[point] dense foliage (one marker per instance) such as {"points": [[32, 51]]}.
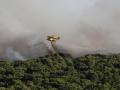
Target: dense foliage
{"points": [[62, 72]]}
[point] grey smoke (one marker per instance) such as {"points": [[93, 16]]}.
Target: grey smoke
{"points": [[13, 55], [85, 26]]}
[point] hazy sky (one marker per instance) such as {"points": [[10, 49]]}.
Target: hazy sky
{"points": [[84, 25]]}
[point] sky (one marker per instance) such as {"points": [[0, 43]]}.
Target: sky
{"points": [[85, 26]]}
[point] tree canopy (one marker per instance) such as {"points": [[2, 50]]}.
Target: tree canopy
{"points": [[62, 72]]}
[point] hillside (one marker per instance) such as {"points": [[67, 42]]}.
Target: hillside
{"points": [[62, 72]]}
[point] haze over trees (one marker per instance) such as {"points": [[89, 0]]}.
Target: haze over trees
{"points": [[62, 72]]}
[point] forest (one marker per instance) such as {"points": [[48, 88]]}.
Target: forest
{"points": [[62, 72]]}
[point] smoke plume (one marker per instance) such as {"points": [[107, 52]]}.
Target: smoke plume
{"points": [[85, 26]]}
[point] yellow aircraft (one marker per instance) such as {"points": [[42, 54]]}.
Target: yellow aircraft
{"points": [[53, 38]]}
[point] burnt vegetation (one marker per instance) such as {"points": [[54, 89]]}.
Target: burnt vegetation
{"points": [[62, 72]]}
